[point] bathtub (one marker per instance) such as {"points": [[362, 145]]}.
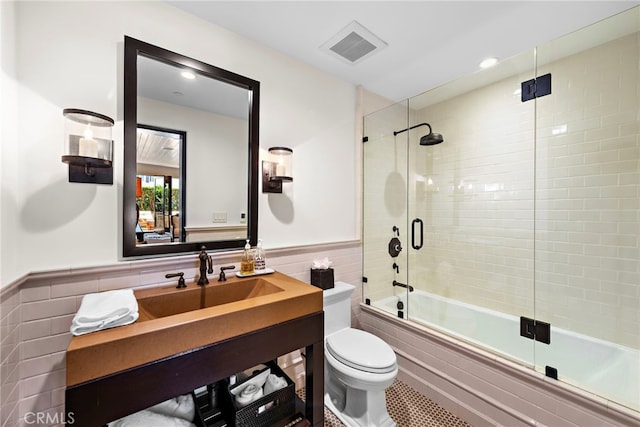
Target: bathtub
{"points": [[603, 368]]}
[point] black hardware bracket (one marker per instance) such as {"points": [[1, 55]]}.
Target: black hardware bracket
{"points": [[367, 301], [535, 330], [551, 372], [535, 88]]}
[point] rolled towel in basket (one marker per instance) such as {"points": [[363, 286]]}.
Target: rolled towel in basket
{"points": [[248, 394], [105, 310], [274, 383]]}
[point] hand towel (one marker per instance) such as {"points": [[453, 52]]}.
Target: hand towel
{"points": [[248, 394], [180, 407], [105, 310], [147, 418], [274, 383]]}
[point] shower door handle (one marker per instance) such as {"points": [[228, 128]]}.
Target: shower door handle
{"points": [[413, 233]]}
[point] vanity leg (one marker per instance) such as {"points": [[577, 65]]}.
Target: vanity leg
{"points": [[314, 371]]}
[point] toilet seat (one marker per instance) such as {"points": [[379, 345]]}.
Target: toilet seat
{"points": [[362, 351]]}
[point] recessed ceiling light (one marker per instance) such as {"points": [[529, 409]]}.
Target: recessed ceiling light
{"points": [[188, 75], [489, 62]]}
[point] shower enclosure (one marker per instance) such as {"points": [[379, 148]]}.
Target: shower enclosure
{"points": [[517, 228]]}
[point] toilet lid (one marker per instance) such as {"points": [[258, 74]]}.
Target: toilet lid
{"points": [[361, 350]]}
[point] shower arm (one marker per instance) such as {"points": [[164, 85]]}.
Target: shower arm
{"points": [[396, 132]]}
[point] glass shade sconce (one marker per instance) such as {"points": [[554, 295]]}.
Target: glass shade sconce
{"points": [[277, 169], [88, 146]]}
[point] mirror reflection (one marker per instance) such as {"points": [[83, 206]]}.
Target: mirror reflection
{"points": [[159, 199], [190, 154]]}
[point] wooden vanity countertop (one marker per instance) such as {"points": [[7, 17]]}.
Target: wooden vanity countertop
{"points": [[98, 354]]}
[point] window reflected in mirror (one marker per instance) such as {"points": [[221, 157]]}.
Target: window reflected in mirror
{"points": [[159, 195]]}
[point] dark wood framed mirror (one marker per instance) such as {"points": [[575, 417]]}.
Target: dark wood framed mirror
{"points": [[217, 112]]}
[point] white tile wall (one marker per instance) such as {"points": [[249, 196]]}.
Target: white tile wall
{"points": [[36, 315]]}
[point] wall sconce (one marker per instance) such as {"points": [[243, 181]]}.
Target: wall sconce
{"points": [[88, 146], [277, 170], [138, 186]]}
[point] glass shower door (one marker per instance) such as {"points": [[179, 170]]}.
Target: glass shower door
{"points": [[385, 231], [587, 257], [471, 198]]}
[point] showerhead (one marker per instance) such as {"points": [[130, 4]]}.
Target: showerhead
{"points": [[429, 139]]}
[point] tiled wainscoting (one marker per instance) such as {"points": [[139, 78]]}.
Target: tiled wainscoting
{"points": [[36, 314], [486, 390]]}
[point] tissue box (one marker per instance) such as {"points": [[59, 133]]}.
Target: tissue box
{"points": [[322, 278]]}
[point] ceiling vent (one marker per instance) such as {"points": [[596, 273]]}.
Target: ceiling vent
{"points": [[354, 43]]}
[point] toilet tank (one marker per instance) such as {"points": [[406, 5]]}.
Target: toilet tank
{"points": [[337, 307]]}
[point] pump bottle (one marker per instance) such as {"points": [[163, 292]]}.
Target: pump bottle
{"points": [[260, 260], [247, 261]]}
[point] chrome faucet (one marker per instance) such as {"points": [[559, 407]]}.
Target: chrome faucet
{"points": [[206, 266]]}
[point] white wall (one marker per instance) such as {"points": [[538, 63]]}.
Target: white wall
{"points": [[9, 178], [70, 55]]}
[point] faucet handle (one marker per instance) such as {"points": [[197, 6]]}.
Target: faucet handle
{"points": [[223, 276], [181, 283]]}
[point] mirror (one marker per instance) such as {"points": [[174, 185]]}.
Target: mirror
{"points": [[190, 154]]}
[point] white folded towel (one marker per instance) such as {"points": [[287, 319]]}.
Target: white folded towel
{"points": [[248, 394], [105, 310], [258, 380], [274, 383], [180, 407], [147, 418]]}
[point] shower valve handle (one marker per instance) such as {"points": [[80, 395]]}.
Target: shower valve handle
{"points": [[394, 247]]}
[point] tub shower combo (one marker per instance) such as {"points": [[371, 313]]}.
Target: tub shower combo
{"points": [[517, 230]]}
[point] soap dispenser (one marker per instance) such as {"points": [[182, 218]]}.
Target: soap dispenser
{"points": [[260, 260], [247, 261]]}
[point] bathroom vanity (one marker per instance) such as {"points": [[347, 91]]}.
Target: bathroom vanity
{"points": [[119, 371]]}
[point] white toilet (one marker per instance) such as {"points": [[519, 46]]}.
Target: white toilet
{"points": [[358, 366]]}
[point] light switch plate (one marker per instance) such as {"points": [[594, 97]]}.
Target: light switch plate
{"points": [[219, 217]]}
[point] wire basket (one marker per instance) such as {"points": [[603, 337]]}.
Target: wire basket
{"points": [[265, 411]]}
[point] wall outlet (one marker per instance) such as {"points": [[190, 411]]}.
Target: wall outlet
{"points": [[219, 217]]}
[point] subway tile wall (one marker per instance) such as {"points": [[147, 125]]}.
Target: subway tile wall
{"points": [[486, 390], [567, 163], [36, 316], [588, 193], [10, 330]]}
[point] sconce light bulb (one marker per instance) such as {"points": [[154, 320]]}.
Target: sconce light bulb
{"points": [[88, 133]]}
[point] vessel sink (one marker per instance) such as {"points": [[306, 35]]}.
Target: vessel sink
{"points": [[172, 321], [162, 302]]}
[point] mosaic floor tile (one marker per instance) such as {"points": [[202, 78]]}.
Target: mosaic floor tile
{"points": [[407, 408]]}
